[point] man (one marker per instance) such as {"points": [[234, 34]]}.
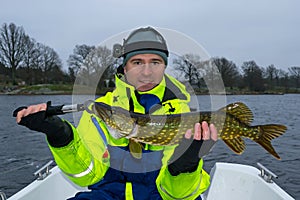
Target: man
{"points": [[90, 156]]}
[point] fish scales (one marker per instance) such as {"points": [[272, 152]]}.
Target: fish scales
{"points": [[233, 123]]}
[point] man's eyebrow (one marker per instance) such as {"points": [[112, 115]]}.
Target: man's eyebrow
{"points": [[157, 59], [135, 59], [139, 59]]}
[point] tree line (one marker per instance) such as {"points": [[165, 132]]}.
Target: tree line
{"points": [[24, 60], [248, 77]]}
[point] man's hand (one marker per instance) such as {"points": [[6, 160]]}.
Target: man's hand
{"points": [[34, 117], [193, 147], [205, 132], [30, 110]]}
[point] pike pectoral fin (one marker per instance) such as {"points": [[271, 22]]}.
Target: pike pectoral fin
{"points": [[236, 144], [135, 149]]}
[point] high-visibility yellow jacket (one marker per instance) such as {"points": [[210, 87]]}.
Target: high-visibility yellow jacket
{"points": [[84, 159]]}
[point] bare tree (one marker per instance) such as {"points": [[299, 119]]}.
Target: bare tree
{"points": [[202, 73], [272, 76], [284, 79], [295, 74], [212, 77], [228, 70], [12, 47], [253, 76], [99, 65], [48, 62], [188, 65], [29, 60], [77, 60]]}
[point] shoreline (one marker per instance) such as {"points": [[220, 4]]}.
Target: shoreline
{"points": [[32, 93], [65, 89]]}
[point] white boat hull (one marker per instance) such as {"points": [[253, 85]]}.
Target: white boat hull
{"points": [[54, 186], [236, 182], [228, 181]]}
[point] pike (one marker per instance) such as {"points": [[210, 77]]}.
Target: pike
{"points": [[233, 123]]}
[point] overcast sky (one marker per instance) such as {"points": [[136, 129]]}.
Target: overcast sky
{"points": [[266, 31]]}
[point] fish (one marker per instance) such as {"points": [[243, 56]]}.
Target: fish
{"points": [[233, 123]]}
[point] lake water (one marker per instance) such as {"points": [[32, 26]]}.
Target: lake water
{"points": [[23, 151]]}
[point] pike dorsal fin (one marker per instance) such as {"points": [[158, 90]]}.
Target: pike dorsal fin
{"points": [[240, 111]]}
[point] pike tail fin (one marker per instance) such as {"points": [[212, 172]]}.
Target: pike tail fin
{"points": [[267, 133]]}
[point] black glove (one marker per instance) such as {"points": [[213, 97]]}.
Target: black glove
{"points": [[58, 133], [193, 150]]}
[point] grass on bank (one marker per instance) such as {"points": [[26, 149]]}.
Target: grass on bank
{"points": [[41, 89], [83, 89]]}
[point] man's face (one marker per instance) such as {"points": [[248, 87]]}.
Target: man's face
{"points": [[144, 71]]}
